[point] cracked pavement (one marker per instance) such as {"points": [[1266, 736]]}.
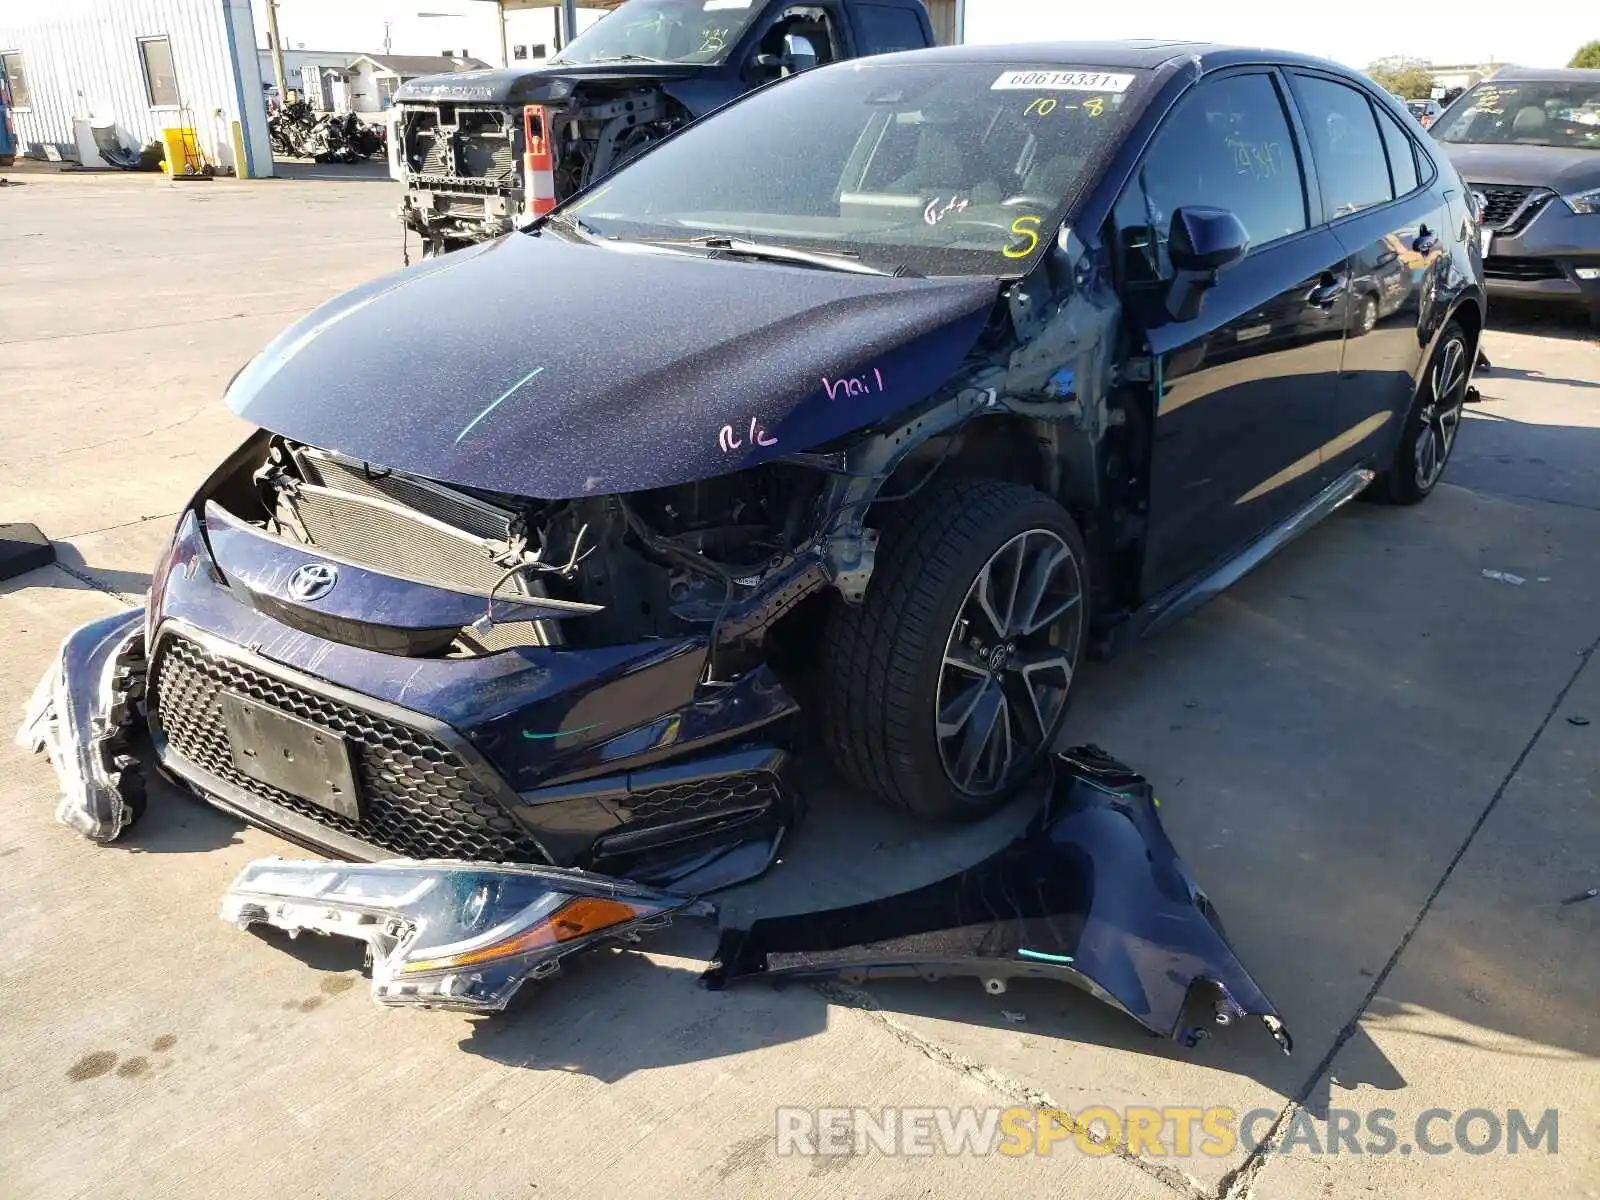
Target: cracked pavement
{"points": [[1363, 752]]}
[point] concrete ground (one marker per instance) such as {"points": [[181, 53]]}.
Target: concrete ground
{"points": [[1374, 758]]}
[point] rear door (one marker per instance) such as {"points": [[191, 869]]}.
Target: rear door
{"points": [[1245, 391], [1394, 228]]}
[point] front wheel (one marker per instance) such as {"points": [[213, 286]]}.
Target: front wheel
{"points": [[945, 686], [1431, 425]]}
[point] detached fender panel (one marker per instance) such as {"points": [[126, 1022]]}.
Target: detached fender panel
{"points": [[1093, 893]]}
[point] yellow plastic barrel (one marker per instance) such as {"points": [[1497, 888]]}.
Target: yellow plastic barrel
{"points": [[183, 152]]}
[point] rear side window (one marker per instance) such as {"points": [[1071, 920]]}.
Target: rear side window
{"points": [[885, 30], [1402, 155], [1226, 145], [1345, 145]]}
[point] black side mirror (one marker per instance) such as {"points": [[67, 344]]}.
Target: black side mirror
{"points": [[1203, 241]]}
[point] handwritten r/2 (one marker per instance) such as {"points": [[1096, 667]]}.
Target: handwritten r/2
{"points": [[729, 441]]}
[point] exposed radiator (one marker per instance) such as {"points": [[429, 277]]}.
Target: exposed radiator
{"points": [[402, 525]]}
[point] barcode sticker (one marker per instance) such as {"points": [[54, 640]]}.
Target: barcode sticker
{"points": [[1061, 81]]}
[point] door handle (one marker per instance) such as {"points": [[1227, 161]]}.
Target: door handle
{"points": [[1329, 288], [1425, 242]]}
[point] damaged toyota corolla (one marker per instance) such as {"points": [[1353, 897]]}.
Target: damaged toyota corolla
{"points": [[873, 401]]}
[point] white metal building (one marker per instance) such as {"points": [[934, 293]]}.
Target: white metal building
{"points": [[144, 65]]}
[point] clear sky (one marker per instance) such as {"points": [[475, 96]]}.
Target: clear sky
{"points": [[1352, 31], [1355, 32]]}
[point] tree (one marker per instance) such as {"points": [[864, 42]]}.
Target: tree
{"points": [[1588, 55], [1407, 77]]}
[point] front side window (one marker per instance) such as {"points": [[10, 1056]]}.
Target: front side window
{"points": [[685, 31], [885, 30], [1226, 145], [1526, 113], [16, 79], [160, 79], [1345, 145], [944, 168]]}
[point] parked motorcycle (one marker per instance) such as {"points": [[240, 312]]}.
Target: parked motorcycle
{"points": [[298, 131]]}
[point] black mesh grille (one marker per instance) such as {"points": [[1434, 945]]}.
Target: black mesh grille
{"points": [[701, 797], [1525, 269], [420, 800]]}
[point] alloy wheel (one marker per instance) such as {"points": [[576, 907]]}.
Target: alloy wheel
{"points": [[1441, 415], [1009, 661], [1369, 314]]}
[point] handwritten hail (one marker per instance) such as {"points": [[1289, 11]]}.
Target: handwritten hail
{"points": [[854, 385]]}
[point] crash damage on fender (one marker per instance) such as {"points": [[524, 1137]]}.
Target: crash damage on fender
{"points": [[1092, 894]]}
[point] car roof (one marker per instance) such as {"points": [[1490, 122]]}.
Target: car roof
{"points": [[1546, 74], [1139, 53]]}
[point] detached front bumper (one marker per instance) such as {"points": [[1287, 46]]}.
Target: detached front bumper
{"points": [[84, 715]]}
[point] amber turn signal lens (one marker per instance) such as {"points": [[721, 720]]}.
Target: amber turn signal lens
{"points": [[579, 917]]}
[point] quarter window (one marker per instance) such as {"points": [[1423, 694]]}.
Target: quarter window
{"points": [[16, 79], [1227, 145], [1345, 145], [160, 79], [1402, 154], [885, 30]]}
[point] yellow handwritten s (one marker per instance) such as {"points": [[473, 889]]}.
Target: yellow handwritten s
{"points": [[1024, 227]]}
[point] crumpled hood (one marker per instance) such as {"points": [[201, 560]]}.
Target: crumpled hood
{"points": [[552, 369], [1559, 168]]}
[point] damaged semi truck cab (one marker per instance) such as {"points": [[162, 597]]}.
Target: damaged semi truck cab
{"points": [[645, 69]]}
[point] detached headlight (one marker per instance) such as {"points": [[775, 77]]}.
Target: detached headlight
{"points": [[449, 934], [82, 714], [1583, 202]]}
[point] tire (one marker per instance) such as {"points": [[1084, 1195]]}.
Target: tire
{"points": [[1433, 418], [888, 664], [1367, 319]]}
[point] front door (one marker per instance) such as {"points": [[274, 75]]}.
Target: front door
{"points": [[1245, 392]]}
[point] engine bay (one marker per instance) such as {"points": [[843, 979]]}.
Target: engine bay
{"points": [[663, 563]]}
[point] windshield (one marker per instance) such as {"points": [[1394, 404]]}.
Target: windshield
{"points": [[681, 31], [940, 168], [1525, 113]]}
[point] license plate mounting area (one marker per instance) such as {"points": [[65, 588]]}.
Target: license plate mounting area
{"points": [[291, 754]]}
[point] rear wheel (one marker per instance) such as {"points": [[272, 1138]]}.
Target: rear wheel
{"points": [[1430, 430], [943, 688]]}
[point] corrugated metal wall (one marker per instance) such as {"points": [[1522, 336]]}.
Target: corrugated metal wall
{"points": [[82, 58]]}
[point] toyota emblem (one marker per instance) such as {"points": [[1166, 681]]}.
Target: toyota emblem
{"points": [[313, 581]]}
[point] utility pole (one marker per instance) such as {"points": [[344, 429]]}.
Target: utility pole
{"points": [[500, 17], [277, 51]]}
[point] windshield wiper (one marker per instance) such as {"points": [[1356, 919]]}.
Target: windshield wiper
{"points": [[644, 58], [843, 261], [568, 223]]}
